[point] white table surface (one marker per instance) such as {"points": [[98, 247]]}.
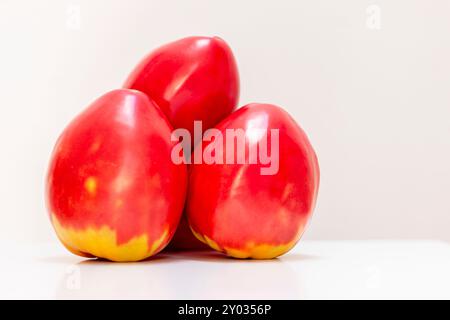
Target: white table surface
{"points": [[312, 270]]}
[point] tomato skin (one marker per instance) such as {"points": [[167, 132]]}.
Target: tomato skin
{"points": [[235, 209], [194, 78], [112, 189]]}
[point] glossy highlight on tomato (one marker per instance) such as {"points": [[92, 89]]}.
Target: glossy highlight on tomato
{"points": [[112, 190], [235, 209]]}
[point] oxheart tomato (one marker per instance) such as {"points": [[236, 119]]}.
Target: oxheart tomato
{"points": [[112, 190], [195, 78], [192, 79], [247, 206]]}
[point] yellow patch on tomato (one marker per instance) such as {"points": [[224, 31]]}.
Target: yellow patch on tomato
{"points": [[212, 244], [156, 246], [251, 250], [90, 184], [198, 235], [102, 243], [260, 251], [206, 240]]}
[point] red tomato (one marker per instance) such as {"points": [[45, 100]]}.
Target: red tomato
{"points": [[112, 190], [195, 78], [236, 209]]}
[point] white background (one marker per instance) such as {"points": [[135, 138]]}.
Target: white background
{"points": [[375, 103]]}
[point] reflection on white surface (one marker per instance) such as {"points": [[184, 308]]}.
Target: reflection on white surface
{"points": [[313, 270], [179, 275]]}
